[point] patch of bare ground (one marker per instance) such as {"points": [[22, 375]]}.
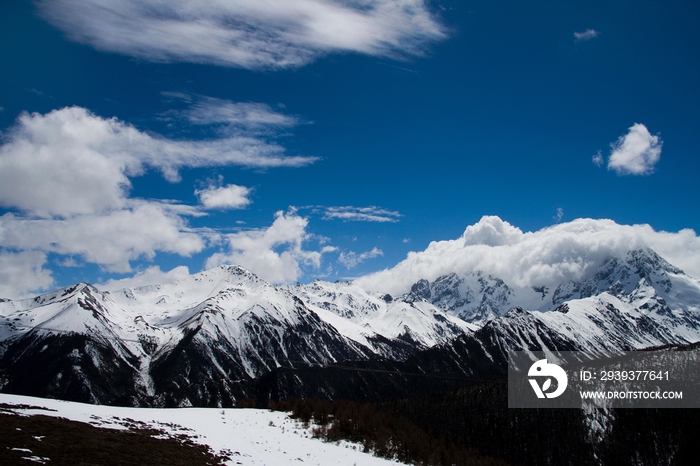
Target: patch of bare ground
{"points": [[40, 439]]}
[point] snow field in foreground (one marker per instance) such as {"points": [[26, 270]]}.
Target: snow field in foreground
{"points": [[247, 436]]}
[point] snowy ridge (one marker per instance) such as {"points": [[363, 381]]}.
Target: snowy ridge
{"points": [[408, 318], [187, 342], [634, 302]]}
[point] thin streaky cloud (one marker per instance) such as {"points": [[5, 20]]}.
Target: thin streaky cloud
{"points": [[586, 35], [559, 215], [251, 34], [361, 214], [248, 117]]}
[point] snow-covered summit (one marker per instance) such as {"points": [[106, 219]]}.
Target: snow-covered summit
{"points": [[533, 264], [639, 276]]}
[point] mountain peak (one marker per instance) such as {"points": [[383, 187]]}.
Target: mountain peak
{"points": [[640, 275], [646, 261], [473, 296], [236, 270]]}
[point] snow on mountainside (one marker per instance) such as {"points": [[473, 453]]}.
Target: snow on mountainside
{"points": [[190, 341], [406, 318], [473, 297], [641, 278], [637, 302], [631, 302]]}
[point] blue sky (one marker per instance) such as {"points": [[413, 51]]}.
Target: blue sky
{"points": [[327, 139]]}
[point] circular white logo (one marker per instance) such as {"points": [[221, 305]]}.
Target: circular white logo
{"points": [[543, 369]]}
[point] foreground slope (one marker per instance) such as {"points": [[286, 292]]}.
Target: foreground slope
{"points": [[240, 436]]}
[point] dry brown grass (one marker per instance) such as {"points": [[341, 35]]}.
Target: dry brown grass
{"points": [[66, 442]]}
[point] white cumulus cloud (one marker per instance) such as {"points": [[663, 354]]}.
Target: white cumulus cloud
{"points": [[71, 161], [635, 153], [22, 273], [254, 34], [68, 162], [275, 254], [566, 251], [491, 231], [110, 240], [230, 196], [66, 178]]}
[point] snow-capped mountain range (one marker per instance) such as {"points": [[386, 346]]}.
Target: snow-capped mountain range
{"points": [[190, 342], [639, 276]]}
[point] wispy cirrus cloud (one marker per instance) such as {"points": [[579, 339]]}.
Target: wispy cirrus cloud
{"points": [[251, 34], [559, 215], [352, 259], [586, 35], [361, 214], [248, 117], [597, 159]]}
